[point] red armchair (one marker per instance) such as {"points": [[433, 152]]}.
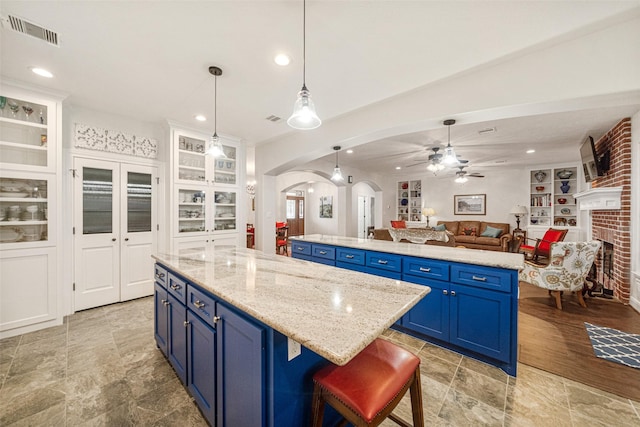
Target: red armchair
{"points": [[543, 246]]}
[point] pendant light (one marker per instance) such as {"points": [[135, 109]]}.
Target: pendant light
{"points": [[304, 111], [215, 145], [337, 173], [449, 154]]}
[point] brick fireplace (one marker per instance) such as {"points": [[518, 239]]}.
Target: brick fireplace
{"points": [[613, 226]]}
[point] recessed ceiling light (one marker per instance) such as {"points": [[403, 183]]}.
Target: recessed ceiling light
{"points": [[398, 168], [349, 151], [200, 118], [282, 59], [531, 151], [42, 72]]}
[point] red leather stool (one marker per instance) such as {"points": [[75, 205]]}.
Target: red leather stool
{"points": [[367, 389]]}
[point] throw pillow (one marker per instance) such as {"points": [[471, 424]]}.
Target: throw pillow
{"points": [[440, 227], [491, 232], [471, 231]]}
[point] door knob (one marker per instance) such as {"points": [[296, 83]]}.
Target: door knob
{"points": [[113, 239], [126, 239]]}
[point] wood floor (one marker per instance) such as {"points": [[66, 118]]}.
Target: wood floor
{"points": [[556, 340]]}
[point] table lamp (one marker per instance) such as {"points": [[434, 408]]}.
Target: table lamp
{"points": [[427, 212], [518, 211]]}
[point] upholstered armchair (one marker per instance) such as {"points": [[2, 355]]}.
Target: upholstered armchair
{"points": [[569, 264]]}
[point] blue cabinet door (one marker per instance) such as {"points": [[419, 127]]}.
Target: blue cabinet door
{"points": [[241, 370], [481, 321], [430, 316], [177, 337], [202, 343], [160, 322]]}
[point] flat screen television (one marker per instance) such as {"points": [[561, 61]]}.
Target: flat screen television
{"points": [[591, 163]]}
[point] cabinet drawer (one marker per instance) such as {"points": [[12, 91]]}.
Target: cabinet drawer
{"points": [[301, 248], [201, 304], [177, 287], [426, 268], [483, 277], [383, 261], [160, 274], [323, 251], [351, 256]]}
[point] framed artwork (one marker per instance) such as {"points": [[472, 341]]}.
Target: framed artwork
{"points": [[470, 204], [326, 207]]}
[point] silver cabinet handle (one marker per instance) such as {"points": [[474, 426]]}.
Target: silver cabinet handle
{"points": [[426, 270], [299, 248], [453, 293], [216, 319], [175, 287], [166, 303], [382, 261], [323, 252], [163, 301], [348, 256], [199, 304], [444, 291], [186, 323], [479, 279], [160, 275]]}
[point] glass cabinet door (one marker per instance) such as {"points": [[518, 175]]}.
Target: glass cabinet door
{"points": [[23, 210], [139, 207], [23, 133], [225, 210], [191, 211], [191, 160], [225, 168]]}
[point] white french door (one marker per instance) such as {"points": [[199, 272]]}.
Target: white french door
{"points": [[114, 232]]}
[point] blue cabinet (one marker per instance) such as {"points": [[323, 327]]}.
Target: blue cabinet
{"points": [[383, 264], [177, 337], [322, 254], [241, 370], [471, 309], [201, 345], [217, 353], [160, 319], [351, 259]]}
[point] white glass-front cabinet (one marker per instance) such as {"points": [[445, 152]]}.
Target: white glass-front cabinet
{"points": [[205, 192], [29, 188]]}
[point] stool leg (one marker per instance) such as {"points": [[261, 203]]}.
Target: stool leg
{"points": [[416, 400], [317, 407]]}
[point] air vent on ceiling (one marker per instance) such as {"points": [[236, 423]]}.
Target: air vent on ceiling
{"points": [[273, 118], [29, 28], [487, 130]]}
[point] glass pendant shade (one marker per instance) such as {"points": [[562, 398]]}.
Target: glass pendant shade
{"points": [[449, 156], [304, 112], [435, 167], [461, 179], [215, 147], [337, 174]]}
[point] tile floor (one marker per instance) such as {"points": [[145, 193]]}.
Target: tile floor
{"points": [[102, 368]]}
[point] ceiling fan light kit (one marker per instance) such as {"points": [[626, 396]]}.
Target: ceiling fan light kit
{"points": [[449, 153]]}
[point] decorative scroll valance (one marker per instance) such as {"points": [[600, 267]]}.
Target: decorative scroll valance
{"points": [[113, 141]]}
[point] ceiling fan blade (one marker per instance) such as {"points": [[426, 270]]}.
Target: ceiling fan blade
{"points": [[418, 164], [475, 175]]}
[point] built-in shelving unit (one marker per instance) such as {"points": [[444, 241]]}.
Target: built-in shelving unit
{"points": [[551, 200], [409, 204]]}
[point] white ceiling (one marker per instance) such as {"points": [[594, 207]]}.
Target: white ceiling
{"points": [[149, 59]]}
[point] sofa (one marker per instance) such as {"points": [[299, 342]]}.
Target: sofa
{"points": [[384, 234], [470, 234]]}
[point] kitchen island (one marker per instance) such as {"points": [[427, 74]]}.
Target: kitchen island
{"points": [[473, 304], [230, 322]]}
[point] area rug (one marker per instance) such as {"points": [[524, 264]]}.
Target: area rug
{"points": [[614, 345]]}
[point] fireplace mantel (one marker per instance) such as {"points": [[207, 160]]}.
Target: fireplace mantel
{"points": [[607, 198]]}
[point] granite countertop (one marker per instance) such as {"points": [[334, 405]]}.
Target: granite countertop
{"points": [[331, 311], [506, 260]]}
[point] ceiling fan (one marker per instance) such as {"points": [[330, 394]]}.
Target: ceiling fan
{"points": [[461, 175]]}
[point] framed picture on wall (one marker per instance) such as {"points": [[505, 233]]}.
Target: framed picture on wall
{"points": [[326, 207], [470, 204]]}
